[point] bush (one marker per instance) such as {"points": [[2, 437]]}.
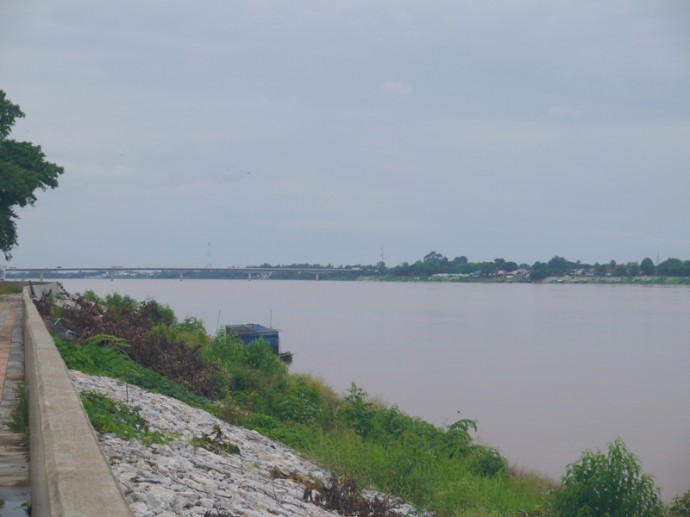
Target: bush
{"points": [[487, 461], [607, 485], [680, 506]]}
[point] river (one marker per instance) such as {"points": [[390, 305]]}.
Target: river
{"points": [[547, 371]]}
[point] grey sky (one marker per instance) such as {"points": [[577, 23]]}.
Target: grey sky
{"points": [[312, 131]]}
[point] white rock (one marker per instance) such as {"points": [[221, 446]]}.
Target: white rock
{"points": [[178, 479]]}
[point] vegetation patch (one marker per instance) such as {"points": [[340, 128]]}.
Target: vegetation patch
{"points": [[680, 506], [110, 417], [340, 494], [19, 418], [363, 442], [608, 484], [10, 287], [99, 358], [215, 442]]}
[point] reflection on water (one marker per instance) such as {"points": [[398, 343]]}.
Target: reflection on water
{"points": [[546, 370]]}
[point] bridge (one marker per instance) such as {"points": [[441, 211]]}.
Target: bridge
{"points": [[113, 271]]}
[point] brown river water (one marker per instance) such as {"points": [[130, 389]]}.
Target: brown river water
{"points": [[547, 371]]}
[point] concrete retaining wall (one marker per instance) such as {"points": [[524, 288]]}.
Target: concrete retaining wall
{"points": [[69, 474]]}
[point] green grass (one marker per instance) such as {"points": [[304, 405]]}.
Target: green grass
{"points": [[378, 446], [108, 416], [109, 362], [19, 418], [7, 287], [443, 470]]}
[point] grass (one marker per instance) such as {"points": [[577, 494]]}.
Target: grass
{"points": [[7, 287], [19, 418], [378, 446], [95, 359], [108, 416]]}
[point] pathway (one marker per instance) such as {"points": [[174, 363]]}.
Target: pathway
{"points": [[14, 465]]}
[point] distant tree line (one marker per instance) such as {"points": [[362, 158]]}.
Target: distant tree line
{"points": [[433, 265]]}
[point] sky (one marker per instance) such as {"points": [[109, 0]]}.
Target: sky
{"points": [[238, 133]]}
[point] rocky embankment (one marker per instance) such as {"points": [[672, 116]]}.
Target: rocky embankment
{"points": [[177, 478]]}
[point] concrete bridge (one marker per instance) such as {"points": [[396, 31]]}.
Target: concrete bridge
{"points": [[67, 474], [111, 272]]}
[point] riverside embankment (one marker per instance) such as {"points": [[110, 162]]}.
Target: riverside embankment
{"points": [[74, 472], [178, 478], [69, 474]]}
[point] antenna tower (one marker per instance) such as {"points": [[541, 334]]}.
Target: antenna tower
{"points": [[209, 261]]}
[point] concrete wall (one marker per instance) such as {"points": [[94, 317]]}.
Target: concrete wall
{"points": [[69, 474]]}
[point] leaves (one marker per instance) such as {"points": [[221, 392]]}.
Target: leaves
{"points": [[23, 169], [8, 114], [612, 485]]}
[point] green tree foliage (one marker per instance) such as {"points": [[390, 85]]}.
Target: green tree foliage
{"points": [[23, 169], [680, 506], [647, 266], [674, 267], [610, 485]]}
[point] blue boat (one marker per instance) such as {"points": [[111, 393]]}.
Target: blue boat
{"points": [[250, 332]]}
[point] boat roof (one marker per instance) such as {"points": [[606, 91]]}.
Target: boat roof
{"points": [[250, 328]]}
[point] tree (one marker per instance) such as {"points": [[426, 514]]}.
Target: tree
{"points": [[434, 258], [23, 169], [647, 266], [539, 271], [613, 485]]}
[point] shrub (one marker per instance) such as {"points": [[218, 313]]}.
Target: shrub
{"points": [[91, 296], [608, 485], [680, 506], [301, 402], [487, 461], [358, 413]]}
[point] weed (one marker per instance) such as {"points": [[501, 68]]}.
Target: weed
{"points": [[215, 442], [10, 287], [19, 418], [341, 494], [96, 360], [108, 416]]}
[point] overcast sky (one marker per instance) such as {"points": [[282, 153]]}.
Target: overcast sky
{"points": [[322, 131]]}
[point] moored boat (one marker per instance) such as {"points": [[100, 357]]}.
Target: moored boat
{"points": [[250, 332]]}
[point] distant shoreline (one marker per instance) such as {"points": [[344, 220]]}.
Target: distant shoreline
{"points": [[566, 279]]}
